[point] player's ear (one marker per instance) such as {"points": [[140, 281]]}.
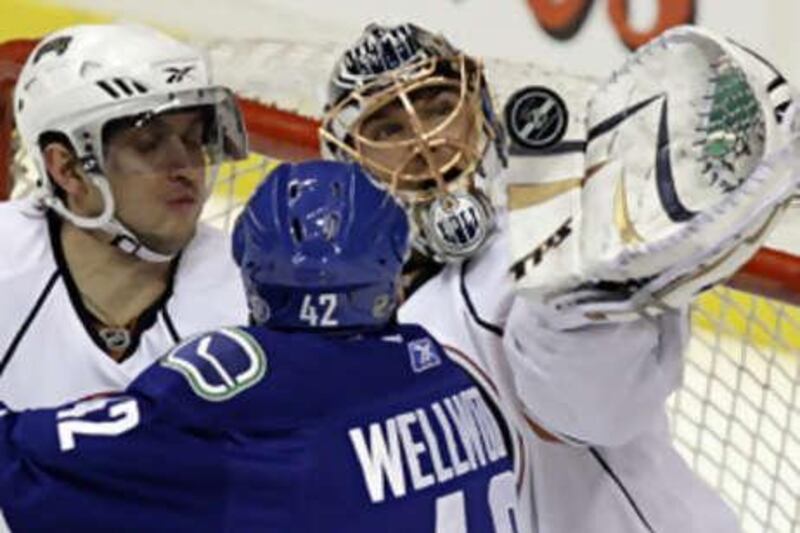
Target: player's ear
{"points": [[63, 170]]}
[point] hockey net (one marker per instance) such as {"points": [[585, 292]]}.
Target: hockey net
{"points": [[736, 419]]}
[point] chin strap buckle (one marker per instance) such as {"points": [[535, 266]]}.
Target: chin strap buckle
{"points": [[131, 246]]}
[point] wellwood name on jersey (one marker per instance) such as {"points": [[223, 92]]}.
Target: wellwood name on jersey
{"points": [[393, 454]]}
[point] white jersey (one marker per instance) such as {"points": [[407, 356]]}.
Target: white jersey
{"points": [[601, 389], [49, 351]]}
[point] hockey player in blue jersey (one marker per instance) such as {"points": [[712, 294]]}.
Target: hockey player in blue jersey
{"points": [[324, 415]]}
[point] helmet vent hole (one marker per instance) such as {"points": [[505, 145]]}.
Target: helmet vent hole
{"points": [[294, 191], [337, 189], [87, 67], [297, 230]]}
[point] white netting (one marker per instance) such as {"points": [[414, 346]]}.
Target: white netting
{"points": [[737, 418]]}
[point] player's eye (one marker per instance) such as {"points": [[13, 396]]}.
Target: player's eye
{"points": [[146, 142], [442, 105], [193, 137], [386, 130], [434, 108]]}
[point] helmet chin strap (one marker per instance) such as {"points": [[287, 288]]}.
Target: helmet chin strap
{"points": [[122, 238]]}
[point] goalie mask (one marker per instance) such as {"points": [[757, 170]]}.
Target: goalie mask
{"points": [[416, 112], [126, 101]]}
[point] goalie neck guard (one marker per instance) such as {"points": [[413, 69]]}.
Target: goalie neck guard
{"points": [[416, 113], [320, 246]]}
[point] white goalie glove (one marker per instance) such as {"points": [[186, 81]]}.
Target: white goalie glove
{"points": [[691, 155]]}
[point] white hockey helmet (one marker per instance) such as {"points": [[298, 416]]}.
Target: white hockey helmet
{"points": [[82, 81]]}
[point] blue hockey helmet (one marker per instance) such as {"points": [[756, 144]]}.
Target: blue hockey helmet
{"points": [[321, 245]]}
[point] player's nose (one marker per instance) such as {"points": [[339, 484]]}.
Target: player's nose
{"points": [[178, 156]]}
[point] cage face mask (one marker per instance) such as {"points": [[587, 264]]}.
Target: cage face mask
{"points": [[423, 130]]}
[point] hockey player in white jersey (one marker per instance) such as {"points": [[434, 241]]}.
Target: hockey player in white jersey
{"points": [[581, 333], [106, 267]]}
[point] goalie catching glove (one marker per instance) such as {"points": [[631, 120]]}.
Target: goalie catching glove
{"points": [[691, 151]]}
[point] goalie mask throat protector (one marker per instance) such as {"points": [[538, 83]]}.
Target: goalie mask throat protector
{"points": [[426, 128]]}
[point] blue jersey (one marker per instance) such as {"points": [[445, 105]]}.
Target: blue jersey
{"points": [[248, 429]]}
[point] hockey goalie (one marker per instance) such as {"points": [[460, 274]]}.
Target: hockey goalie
{"points": [[568, 293]]}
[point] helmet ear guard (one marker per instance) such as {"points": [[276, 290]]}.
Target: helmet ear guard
{"points": [[440, 171]]}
